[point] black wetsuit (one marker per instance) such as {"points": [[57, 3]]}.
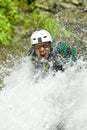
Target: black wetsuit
{"points": [[58, 55], [54, 61]]}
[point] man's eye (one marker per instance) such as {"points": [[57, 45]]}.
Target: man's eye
{"points": [[37, 47], [46, 46]]}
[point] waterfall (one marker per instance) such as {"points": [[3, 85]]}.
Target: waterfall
{"points": [[56, 102]]}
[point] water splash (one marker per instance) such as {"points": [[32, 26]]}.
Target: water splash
{"points": [[53, 103]]}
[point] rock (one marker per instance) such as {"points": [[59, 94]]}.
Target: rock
{"points": [[65, 5], [45, 4], [56, 4], [67, 1], [85, 5], [1, 84], [76, 2], [85, 9]]}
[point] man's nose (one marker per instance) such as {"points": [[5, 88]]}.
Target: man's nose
{"points": [[42, 48]]}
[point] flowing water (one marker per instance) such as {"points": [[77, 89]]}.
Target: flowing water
{"points": [[30, 101]]}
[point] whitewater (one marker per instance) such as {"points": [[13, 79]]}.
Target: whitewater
{"points": [[30, 101]]}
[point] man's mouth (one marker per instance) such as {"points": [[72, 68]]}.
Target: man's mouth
{"points": [[42, 55]]}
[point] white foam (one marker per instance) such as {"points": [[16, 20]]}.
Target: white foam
{"points": [[44, 105]]}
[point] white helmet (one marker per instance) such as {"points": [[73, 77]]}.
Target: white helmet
{"points": [[40, 37]]}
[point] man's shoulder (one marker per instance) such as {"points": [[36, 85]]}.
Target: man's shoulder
{"points": [[65, 50]]}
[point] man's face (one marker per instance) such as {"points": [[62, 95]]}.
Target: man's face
{"points": [[42, 50]]}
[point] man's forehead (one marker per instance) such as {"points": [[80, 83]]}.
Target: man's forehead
{"points": [[42, 43]]}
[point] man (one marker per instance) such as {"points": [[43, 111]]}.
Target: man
{"points": [[46, 55]]}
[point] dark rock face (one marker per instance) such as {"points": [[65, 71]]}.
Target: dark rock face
{"points": [[61, 3]]}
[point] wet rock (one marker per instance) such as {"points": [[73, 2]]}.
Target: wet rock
{"points": [[76, 2], [85, 5], [69, 3], [1, 84], [49, 5], [45, 4], [65, 5], [2, 58]]}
